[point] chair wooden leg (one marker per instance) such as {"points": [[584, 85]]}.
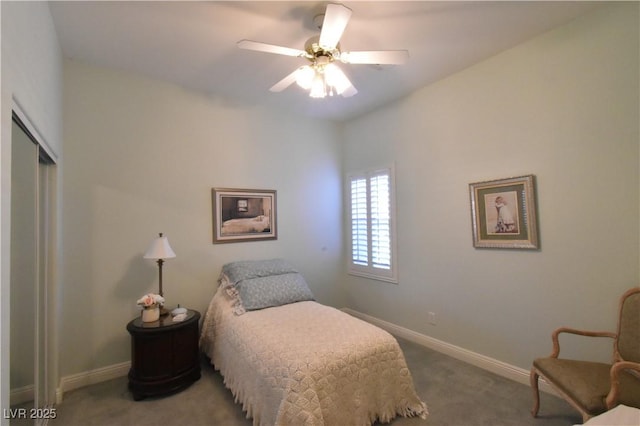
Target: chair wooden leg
{"points": [[536, 392]]}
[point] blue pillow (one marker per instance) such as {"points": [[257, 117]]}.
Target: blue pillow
{"points": [[274, 290], [246, 269]]}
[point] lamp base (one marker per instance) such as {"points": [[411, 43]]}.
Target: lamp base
{"points": [[163, 311]]}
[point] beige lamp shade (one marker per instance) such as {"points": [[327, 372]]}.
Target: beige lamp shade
{"points": [[160, 249]]}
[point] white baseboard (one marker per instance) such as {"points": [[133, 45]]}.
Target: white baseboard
{"points": [[495, 366], [91, 377], [21, 395], [25, 394], [490, 364]]}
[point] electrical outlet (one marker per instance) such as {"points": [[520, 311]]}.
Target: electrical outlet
{"points": [[431, 318]]}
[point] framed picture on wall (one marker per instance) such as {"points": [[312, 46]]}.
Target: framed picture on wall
{"points": [[503, 213], [243, 215]]}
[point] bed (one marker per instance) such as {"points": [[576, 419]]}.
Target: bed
{"points": [[245, 226], [289, 360]]}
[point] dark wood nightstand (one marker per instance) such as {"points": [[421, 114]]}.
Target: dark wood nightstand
{"points": [[164, 355]]}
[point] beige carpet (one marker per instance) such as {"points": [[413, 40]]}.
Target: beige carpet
{"points": [[456, 393]]}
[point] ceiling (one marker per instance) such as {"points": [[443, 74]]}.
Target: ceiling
{"points": [[193, 43]]}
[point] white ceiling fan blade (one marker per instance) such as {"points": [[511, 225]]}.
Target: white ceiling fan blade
{"points": [[335, 21], [382, 57], [285, 82], [270, 48]]}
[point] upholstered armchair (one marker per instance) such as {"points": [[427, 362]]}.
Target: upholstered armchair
{"points": [[593, 387]]}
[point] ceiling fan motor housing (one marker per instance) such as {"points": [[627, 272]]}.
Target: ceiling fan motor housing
{"points": [[319, 55]]}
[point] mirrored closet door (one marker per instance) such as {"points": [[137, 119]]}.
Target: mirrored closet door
{"points": [[31, 177]]}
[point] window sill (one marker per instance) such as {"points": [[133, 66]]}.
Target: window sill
{"points": [[392, 280]]}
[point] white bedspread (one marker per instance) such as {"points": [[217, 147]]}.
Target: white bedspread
{"points": [[245, 226], [308, 364]]}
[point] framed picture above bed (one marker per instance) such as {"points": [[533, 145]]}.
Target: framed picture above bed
{"points": [[243, 215], [503, 213]]}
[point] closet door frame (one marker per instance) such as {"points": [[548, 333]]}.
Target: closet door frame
{"points": [[45, 370]]}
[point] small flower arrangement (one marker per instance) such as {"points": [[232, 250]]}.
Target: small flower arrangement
{"points": [[150, 301]]}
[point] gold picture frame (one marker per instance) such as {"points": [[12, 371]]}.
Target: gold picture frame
{"points": [[503, 213], [243, 215]]}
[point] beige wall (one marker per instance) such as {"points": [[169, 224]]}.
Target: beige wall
{"points": [[563, 106], [142, 157]]}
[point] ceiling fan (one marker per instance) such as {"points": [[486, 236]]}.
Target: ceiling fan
{"points": [[322, 76]]}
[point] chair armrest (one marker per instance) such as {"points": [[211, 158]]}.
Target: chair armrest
{"points": [[616, 369], [556, 334]]}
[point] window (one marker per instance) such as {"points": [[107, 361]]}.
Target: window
{"points": [[371, 213]]}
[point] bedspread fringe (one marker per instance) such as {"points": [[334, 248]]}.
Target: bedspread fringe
{"points": [[239, 397], [413, 410], [418, 409]]}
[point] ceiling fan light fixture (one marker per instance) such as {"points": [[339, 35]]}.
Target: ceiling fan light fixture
{"points": [[336, 78], [305, 76], [323, 80], [318, 88]]}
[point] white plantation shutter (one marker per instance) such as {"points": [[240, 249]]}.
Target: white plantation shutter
{"points": [[372, 233], [380, 222], [359, 221]]}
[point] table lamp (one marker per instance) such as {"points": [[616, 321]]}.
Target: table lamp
{"points": [[160, 250]]}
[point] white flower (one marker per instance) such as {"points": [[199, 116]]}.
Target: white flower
{"points": [[150, 300]]}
